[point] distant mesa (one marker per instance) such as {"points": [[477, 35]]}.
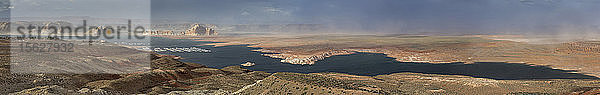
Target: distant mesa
{"points": [[194, 30], [204, 29]]}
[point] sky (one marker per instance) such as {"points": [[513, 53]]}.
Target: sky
{"points": [[129, 9], [4, 10], [471, 16], [394, 16]]}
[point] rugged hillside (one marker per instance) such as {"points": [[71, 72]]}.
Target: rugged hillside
{"points": [[168, 75], [413, 83]]}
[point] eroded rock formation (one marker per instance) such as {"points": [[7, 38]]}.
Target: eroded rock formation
{"points": [[201, 29]]}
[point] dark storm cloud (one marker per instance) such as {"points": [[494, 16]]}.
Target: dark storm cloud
{"points": [[469, 16]]}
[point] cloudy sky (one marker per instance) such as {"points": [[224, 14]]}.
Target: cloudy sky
{"points": [[469, 16], [393, 15], [4, 9]]}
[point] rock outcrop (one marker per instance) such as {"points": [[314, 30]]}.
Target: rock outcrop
{"points": [[201, 29]]}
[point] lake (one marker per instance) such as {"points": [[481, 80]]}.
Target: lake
{"points": [[368, 64]]}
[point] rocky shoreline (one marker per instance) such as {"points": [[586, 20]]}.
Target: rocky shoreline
{"points": [[311, 59], [306, 59]]}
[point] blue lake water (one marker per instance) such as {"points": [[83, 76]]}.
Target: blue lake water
{"points": [[369, 64]]}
